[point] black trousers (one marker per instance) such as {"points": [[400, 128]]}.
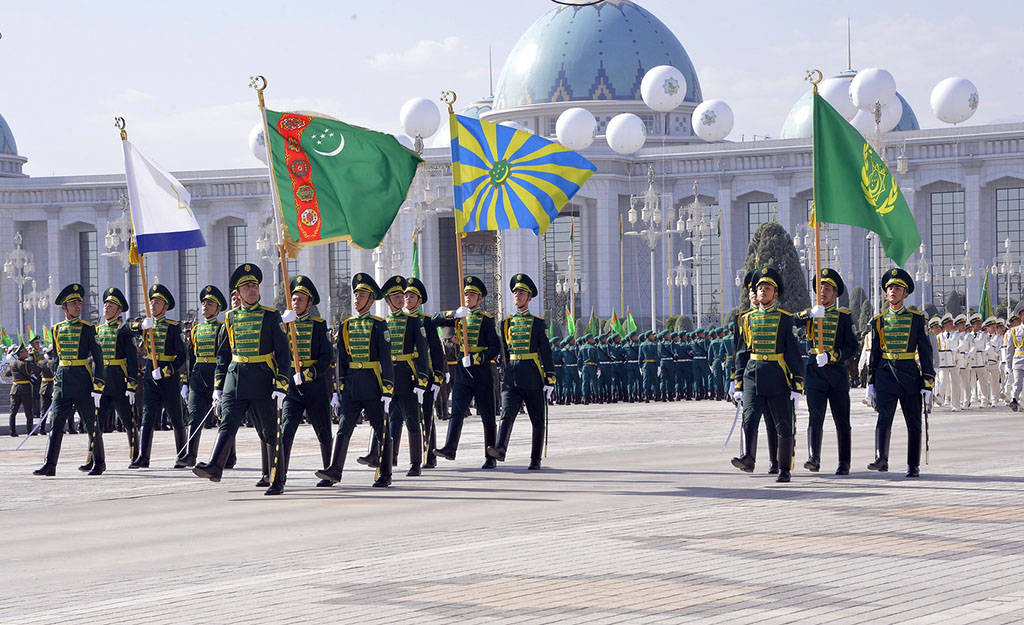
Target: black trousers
{"points": [[777, 411], [111, 405], [405, 408], [165, 397], [64, 409], [464, 394], [512, 401], [21, 397], [374, 410], [837, 398], [319, 417]]}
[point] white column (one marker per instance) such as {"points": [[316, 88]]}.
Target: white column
{"points": [[732, 241], [973, 232]]}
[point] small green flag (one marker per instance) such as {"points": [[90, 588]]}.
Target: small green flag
{"points": [[616, 325], [415, 257], [594, 325], [32, 333], [5, 340], [853, 186], [47, 337], [570, 323], [985, 305], [630, 322], [335, 181]]}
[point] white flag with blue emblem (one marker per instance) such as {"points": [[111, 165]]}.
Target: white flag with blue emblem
{"points": [[161, 216]]}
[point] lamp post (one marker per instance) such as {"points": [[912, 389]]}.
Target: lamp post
{"points": [[1007, 268], [118, 242], [966, 272], [876, 271], [922, 271], [650, 223], [268, 251], [35, 301], [18, 267], [568, 288], [695, 224]]}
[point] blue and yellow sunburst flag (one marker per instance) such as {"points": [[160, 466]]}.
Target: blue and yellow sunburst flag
{"points": [[506, 178]]}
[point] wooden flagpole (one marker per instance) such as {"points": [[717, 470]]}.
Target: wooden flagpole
{"points": [[819, 323]]}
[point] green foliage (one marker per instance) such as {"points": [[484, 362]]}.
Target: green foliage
{"points": [[857, 299], [931, 310], [954, 303], [671, 322], [684, 324], [772, 246], [867, 313]]}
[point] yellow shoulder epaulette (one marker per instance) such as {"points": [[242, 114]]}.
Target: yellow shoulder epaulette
{"points": [[376, 318], [87, 323], [172, 322], [267, 309], [487, 314], [316, 319], [916, 312], [785, 312], [845, 310]]}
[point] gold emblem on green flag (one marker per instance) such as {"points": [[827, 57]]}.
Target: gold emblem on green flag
{"points": [[875, 179]]}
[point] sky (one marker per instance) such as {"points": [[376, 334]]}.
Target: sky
{"points": [[178, 72]]}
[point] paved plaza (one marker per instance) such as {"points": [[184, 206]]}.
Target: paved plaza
{"points": [[637, 517]]}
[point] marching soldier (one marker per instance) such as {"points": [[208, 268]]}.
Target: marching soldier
{"points": [[949, 376], [365, 379], [416, 296], [22, 372], [768, 372], [253, 371], [828, 380], [120, 363], [474, 379], [309, 391], [1015, 342], [203, 343], [529, 372], [74, 341], [451, 360], [410, 364], [898, 338]]}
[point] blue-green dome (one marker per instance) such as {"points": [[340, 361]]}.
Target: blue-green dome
{"points": [[799, 124], [595, 52], [7, 144]]}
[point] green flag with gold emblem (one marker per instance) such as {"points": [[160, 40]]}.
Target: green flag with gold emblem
{"points": [[853, 186]]}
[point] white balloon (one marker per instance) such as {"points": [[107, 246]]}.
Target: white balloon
{"points": [[954, 100], [663, 88], [257, 143], [626, 133], [575, 128], [513, 125], [406, 141], [712, 120], [420, 116], [870, 86], [892, 113], [836, 92], [864, 122]]}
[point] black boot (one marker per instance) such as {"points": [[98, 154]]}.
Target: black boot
{"points": [[454, 434], [192, 453], [913, 453], [384, 472], [372, 457], [843, 442], [773, 450], [141, 461], [265, 454], [332, 474], [215, 468], [325, 454], [49, 468], [785, 457], [536, 448], [180, 450], [501, 446], [490, 438], [745, 462], [881, 462], [281, 470], [431, 445], [814, 434]]}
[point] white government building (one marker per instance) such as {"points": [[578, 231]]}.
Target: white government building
{"points": [[963, 184]]}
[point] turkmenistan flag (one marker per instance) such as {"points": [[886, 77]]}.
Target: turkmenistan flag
{"points": [[985, 305], [630, 321], [570, 323], [336, 182], [853, 186]]}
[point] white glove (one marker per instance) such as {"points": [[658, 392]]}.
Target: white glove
{"points": [[288, 316], [279, 398], [387, 403], [926, 395], [817, 311], [148, 323], [298, 379], [461, 312], [96, 399], [871, 394], [434, 390], [548, 391], [131, 397], [335, 401], [419, 394], [184, 392], [737, 396], [732, 387], [157, 374], [793, 395], [467, 361], [216, 397], [821, 359], [447, 376]]}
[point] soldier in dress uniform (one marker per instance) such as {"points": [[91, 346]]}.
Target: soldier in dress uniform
{"points": [[949, 376], [202, 345], [161, 383], [253, 372], [768, 371], [451, 361], [529, 372], [120, 364], [898, 338], [1015, 342], [570, 356], [309, 392], [828, 380], [649, 357], [474, 378], [365, 379], [22, 372], [74, 341], [415, 297], [411, 366], [701, 372]]}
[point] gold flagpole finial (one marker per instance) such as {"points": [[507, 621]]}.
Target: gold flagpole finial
{"points": [[259, 83], [814, 76], [119, 124], [449, 97]]}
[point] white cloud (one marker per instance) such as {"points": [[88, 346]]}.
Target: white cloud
{"points": [[133, 95], [425, 53]]}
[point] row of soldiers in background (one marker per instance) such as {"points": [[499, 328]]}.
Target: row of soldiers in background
{"points": [[642, 366], [975, 358]]}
